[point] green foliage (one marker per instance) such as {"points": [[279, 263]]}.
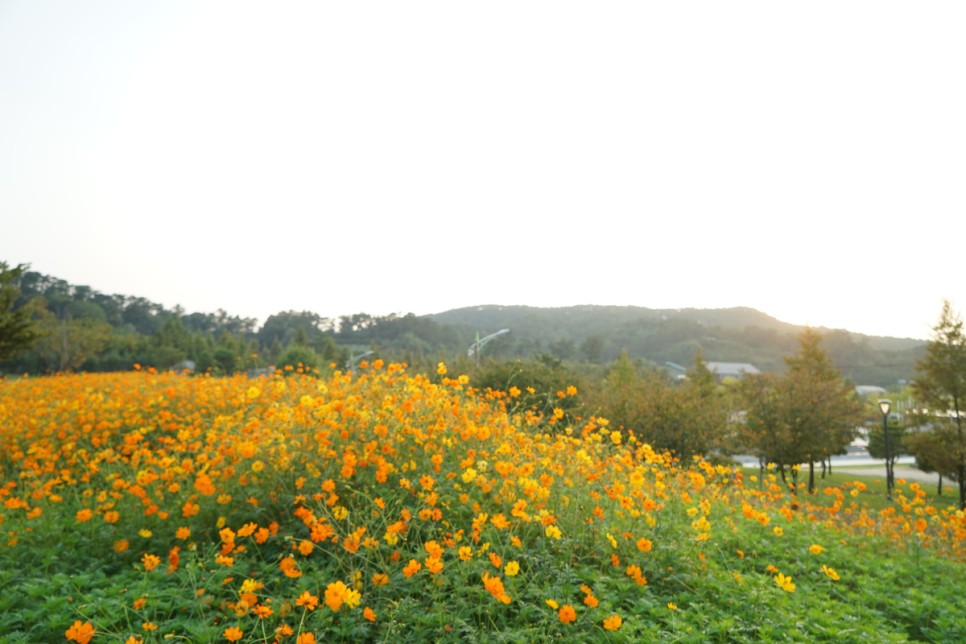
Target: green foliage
{"points": [[538, 384], [685, 417], [803, 416], [940, 387], [299, 358], [66, 344], [17, 330]]}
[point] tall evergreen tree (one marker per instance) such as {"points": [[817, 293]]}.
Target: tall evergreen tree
{"points": [[17, 330], [940, 387], [804, 416]]}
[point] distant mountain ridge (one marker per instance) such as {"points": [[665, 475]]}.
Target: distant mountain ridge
{"points": [[145, 332], [737, 334]]}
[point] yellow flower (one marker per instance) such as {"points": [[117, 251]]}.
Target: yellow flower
{"points": [[511, 569], [830, 573], [815, 549], [672, 606], [785, 583], [552, 604]]}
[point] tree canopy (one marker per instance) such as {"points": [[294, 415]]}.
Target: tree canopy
{"points": [[805, 415], [940, 387], [17, 331]]}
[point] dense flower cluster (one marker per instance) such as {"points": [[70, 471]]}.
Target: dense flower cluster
{"points": [[312, 503]]}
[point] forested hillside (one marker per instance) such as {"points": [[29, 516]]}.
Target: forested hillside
{"points": [[83, 329], [659, 336]]}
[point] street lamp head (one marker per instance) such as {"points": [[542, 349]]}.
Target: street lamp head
{"points": [[884, 406]]}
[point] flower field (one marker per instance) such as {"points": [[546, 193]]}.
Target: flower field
{"points": [[390, 506]]}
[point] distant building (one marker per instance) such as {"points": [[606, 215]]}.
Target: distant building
{"points": [[723, 370]]}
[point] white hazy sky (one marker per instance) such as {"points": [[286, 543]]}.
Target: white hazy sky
{"points": [[807, 159]]}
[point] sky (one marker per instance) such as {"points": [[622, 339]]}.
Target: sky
{"points": [[805, 159]]}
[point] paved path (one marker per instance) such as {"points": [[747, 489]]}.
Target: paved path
{"points": [[901, 472]]}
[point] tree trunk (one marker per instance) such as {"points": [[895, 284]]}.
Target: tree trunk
{"points": [[811, 477], [962, 485], [939, 492]]}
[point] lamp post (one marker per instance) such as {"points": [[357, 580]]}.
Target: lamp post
{"points": [[884, 407], [477, 346]]}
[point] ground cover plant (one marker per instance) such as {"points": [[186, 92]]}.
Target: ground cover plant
{"points": [[384, 505]]}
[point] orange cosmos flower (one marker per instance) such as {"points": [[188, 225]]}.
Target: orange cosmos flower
{"points": [[233, 634], [380, 579], [613, 622], [412, 568], [495, 586], [307, 600], [289, 567], [433, 565], [567, 614], [174, 558], [150, 562], [80, 632], [306, 547]]}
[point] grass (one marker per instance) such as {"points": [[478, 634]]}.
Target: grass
{"points": [[388, 506]]}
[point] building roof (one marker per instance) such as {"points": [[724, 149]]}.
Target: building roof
{"points": [[732, 369]]}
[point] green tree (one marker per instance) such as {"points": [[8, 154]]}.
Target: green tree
{"points": [[932, 453], [66, 344], [763, 430], [592, 348], [805, 415], [298, 357], [683, 417], [17, 330], [940, 387]]}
